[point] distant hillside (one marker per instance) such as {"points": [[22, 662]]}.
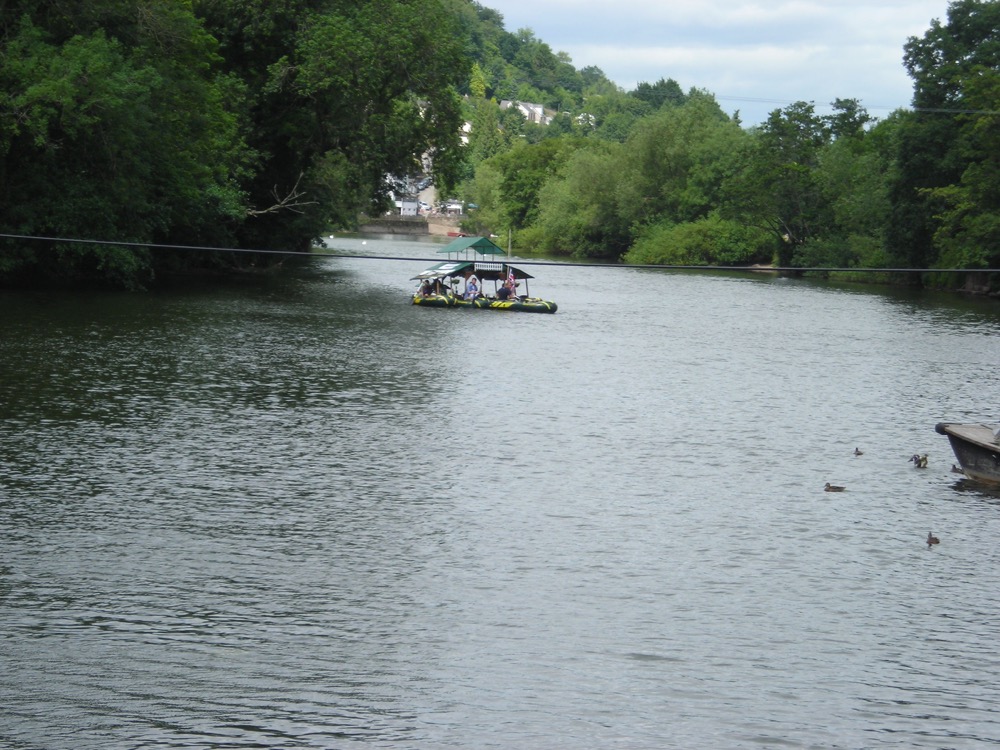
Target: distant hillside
{"points": [[519, 66]]}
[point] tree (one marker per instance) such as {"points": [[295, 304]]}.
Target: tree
{"points": [[936, 146], [660, 93], [851, 178], [512, 122], [711, 240], [99, 143], [486, 139], [216, 121], [545, 70], [776, 188], [968, 230], [524, 171], [577, 215], [613, 114], [484, 190], [342, 95], [477, 82], [675, 161], [848, 120]]}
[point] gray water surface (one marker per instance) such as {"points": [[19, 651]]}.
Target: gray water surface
{"points": [[298, 512]]}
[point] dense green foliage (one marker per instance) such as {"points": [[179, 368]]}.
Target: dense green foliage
{"points": [[213, 122], [945, 207], [660, 176], [113, 127], [260, 125]]}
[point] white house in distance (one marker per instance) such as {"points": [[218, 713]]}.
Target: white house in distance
{"points": [[532, 112]]}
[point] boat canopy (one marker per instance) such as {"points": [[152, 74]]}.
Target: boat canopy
{"points": [[441, 270], [481, 245], [485, 270]]}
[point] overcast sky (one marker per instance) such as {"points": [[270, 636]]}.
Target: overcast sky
{"points": [[755, 56]]}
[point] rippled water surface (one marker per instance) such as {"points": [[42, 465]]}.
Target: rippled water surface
{"points": [[298, 512]]}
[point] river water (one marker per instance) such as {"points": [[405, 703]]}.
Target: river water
{"points": [[298, 512]]}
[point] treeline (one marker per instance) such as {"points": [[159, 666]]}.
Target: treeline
{"points": [[660, 176], [231, 123], [224, 123]]}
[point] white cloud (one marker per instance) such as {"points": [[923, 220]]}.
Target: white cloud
{"points": [[780, 52]]}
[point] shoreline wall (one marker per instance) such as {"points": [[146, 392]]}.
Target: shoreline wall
{"points": [[413, 225]]}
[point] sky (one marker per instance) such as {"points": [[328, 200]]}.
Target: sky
{"points": [[755, 56]]}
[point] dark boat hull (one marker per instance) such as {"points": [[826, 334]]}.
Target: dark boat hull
{"points": [[977, 449]]}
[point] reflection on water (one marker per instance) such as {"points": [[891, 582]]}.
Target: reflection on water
{"points": [[299, 512]]}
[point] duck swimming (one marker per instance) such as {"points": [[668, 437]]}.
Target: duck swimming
{"points": [[858, 452], [919, 461], [832, 488], [931, 539]]}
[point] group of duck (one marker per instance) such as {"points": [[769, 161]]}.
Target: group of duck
{"points": [[919, 461]]}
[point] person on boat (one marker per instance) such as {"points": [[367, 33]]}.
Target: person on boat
{"points": [[426, 290], [471, 287], [507, 291]]}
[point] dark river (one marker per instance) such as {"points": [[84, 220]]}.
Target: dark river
{"points": [[298, 512]]}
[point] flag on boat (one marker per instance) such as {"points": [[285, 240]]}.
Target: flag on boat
{"points": [[510, 280]]}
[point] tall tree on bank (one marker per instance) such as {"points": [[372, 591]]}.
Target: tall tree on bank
{"points": [[341, 95], [944, 145], [776, 188], [577, 214], [674, 162], [212, 122], [968, 233]]}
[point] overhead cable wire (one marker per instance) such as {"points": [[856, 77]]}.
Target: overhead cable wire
{"points": [[321, 253]]}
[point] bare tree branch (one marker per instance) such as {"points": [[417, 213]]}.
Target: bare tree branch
{"points": [[290, 202]]}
